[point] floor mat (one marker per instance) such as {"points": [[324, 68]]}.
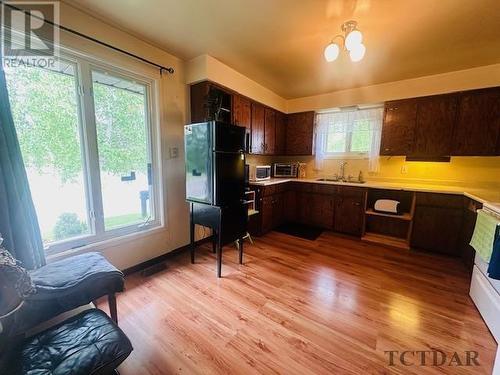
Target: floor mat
{"points": [[300, 230]]}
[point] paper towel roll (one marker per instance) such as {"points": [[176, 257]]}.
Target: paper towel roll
{"points": [[387, 206]]}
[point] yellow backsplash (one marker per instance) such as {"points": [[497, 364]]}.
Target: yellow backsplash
{"points": [[474, 172]]}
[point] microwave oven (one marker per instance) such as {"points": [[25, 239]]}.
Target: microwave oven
{"points": [[285, 170], [260, 172]]}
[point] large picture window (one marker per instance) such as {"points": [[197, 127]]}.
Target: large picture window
{"points": [[85, 133]]}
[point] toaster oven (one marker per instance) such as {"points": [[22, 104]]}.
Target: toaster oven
{"points": [[285, 169]]}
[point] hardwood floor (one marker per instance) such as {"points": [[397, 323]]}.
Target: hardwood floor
{"points": [[333, 305]]}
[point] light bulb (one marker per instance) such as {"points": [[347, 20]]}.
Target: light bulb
{"points": [[353, 39], [356, 54], [331, 52]]}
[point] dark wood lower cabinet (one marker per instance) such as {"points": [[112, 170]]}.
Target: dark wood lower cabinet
{"points": [[441, 223], [278, 213], [349, 215], [437, 223], [266, 212], [329, 207]]}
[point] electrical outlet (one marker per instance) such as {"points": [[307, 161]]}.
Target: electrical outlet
{"points": [[174, 152], [404, 169]]}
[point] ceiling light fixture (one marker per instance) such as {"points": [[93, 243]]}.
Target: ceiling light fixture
{"points": [[351, 41]]}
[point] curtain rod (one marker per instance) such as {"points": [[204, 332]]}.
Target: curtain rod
{"points": [[64, 28]]}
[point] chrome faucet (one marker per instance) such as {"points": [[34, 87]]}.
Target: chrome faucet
{"points": [[342, 171]]}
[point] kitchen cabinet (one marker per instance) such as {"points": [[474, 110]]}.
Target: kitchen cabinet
{"points": [[202, 95], [434, 127], [269, 131], [257, 126], [459, 124], [349, 214], [242, 111], [278, 209], [477, 128], [280, 139], [266, 212], [322, 210], [437, 223], [290, 205], [299, 133], [271, 207], [398, 129]]}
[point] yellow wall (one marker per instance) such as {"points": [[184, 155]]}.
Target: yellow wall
{"points": [[473, 172], [206, 67]]}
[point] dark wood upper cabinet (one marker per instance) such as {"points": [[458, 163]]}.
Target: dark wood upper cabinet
{"points": [[299, 133], [280, 141], [436, 117], [210, 102], [398, 130], [477, 129], [242, 111], [269, 131], [258, 120]]}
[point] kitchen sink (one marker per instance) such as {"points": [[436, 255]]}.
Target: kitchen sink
{"points": [[340, 181]]}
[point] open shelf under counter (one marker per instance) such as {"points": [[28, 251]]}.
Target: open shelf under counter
{"points": [[405, 216], [380, 239]]}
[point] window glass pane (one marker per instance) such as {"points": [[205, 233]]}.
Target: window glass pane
{"points": [[45, 108], [361, 136], [123, 147], [336, 139]]}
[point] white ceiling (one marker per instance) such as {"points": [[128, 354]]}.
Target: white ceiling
{"points": [[279, 43]]}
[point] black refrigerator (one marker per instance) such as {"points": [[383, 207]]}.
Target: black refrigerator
{"points": [[215, 163], [215, 183]]}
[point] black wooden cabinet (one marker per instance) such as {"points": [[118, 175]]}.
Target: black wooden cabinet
{"points": [[437, 223]]}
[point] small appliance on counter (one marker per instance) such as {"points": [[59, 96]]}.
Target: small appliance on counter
{"points": [[260, 172], [388, 206], [285, 170]]}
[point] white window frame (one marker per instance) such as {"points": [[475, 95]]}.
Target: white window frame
{"points": [[347, 153], [84, 65]]}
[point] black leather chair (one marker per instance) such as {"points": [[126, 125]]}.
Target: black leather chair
{"points": [[67, 284], [87, 344]]}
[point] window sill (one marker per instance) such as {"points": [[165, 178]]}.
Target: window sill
{"points": [[347, 156], [53, 256]]}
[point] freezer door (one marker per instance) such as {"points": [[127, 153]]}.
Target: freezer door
{"points": [[198, 155], [229, 178], [229, 138]]}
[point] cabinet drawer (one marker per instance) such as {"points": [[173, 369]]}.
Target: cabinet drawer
{"points": [[268, 190], [324, 189], [303, 187], [440, 200], [352, 192]]}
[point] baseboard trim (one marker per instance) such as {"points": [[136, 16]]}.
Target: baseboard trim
{"points": [[163, 257]]}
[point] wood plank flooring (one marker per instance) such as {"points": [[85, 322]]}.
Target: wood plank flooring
{"points": [[330, 306]]}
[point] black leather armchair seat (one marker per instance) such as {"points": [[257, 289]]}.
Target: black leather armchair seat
{"points": [[67, 284], [89, 343]]}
